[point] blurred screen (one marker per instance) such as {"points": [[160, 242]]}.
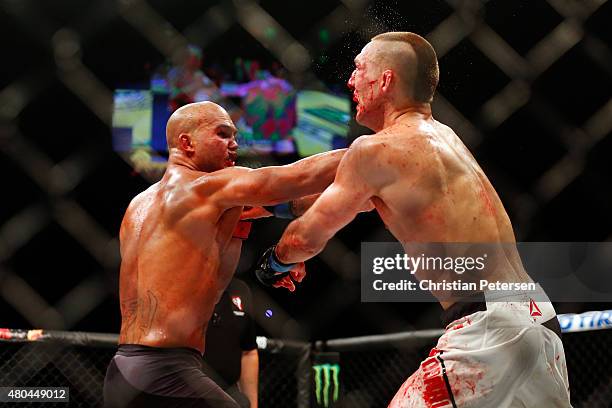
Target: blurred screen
{"points": [[139, 122], [132, 119], [267, 116], [322, 122], [271, 117]]}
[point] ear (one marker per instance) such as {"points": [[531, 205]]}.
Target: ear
{"points": [[387, 78], [185, 143]]}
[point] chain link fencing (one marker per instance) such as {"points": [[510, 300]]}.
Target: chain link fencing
{"points": [[356, 372], [539, 92], [370, 378], [79, 361], [510, 89]]}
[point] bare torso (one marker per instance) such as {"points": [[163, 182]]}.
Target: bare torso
{"points": [[429, 188], [178, 255]]}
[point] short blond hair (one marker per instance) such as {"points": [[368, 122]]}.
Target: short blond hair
{"points": [[427, 71]]}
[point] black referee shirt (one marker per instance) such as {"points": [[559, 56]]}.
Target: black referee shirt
{"points": [[231, 331]]}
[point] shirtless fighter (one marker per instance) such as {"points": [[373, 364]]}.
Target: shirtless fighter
{"points": [[427, 187], [180, 244]]}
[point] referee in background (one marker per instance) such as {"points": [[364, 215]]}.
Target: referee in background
{"points": [[230, 356]]}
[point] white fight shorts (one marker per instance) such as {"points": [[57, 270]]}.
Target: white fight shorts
{"points": [[501, 356]]}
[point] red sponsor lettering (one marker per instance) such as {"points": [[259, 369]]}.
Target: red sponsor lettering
{"points": [[435, 392]]}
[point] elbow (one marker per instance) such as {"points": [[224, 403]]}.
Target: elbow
{"points": [[298, 246], [309, 245]]}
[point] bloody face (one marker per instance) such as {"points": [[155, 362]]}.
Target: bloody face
{"points": [[364, 84]]}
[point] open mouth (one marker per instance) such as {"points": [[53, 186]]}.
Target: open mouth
{"points": [[359, 106], [231, 159]]}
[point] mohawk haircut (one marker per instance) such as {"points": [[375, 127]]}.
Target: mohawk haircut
{"points": [[427, 71]]}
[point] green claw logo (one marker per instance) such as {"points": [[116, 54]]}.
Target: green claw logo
{"points": [[329, 373]]}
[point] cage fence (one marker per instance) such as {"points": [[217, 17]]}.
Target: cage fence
{"points": [[363, 372]]}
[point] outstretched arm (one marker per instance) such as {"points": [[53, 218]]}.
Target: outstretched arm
{"points": [[301, 205], [349, 194], [238, 186], [292, 209]]}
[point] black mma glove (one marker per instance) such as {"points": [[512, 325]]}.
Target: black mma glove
{"points": [[269, 269]]}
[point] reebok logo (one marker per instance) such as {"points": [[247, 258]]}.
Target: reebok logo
{"points": [[534, 310]]}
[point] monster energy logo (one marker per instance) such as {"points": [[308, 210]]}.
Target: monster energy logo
{"points": [[324, 375]]}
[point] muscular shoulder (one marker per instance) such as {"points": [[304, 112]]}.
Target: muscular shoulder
{"points": [[211, 183], [137, 211], [140, 202], [379, 143], [387, 148], [210, 187], [193, 189], [365, 161], [142, 196], [364, 142], [363, 148]]}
